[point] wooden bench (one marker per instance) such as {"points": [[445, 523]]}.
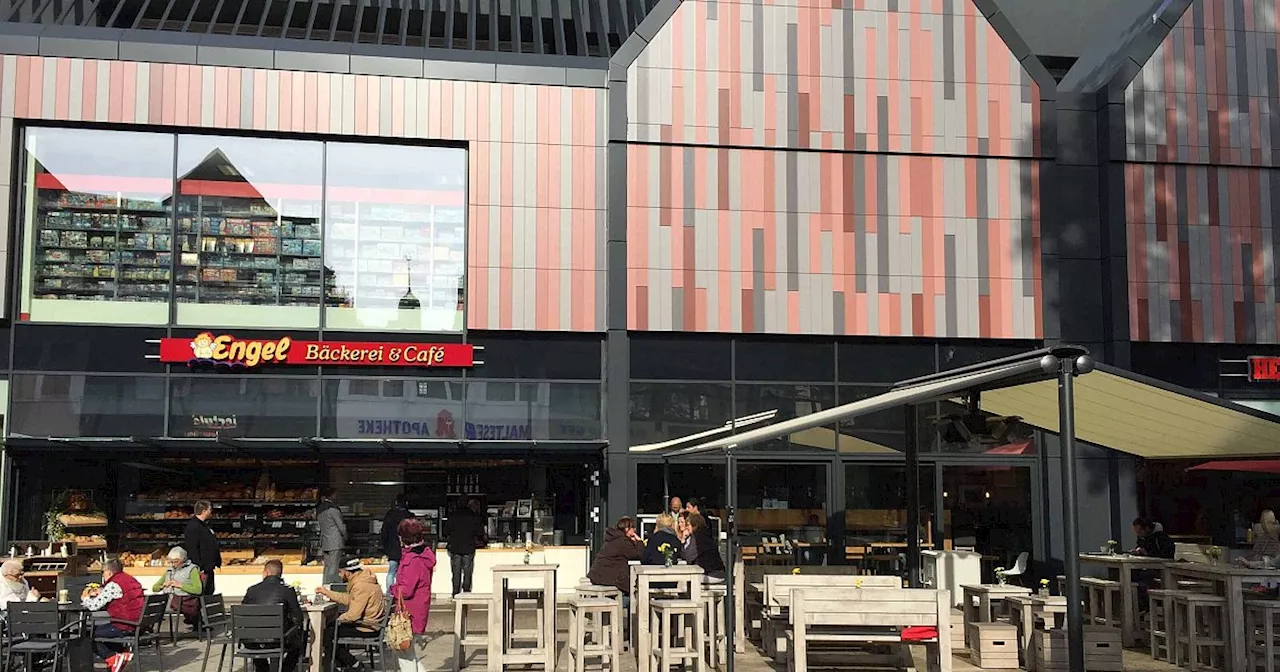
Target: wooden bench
{"points": [[868, 616], [751, 610], [777, 597]]}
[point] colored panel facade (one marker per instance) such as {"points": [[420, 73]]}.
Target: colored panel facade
{"points": [[536, 216], [883, 178], [1201, 207]]}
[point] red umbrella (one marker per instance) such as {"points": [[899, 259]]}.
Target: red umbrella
{"points": [[1253, 466], [1019, 448]]}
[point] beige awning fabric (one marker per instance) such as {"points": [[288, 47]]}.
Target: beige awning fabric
{"points": [[1123, 411], [930, 390]]}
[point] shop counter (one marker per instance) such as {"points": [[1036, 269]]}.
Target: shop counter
{"points": [[573, 561]]}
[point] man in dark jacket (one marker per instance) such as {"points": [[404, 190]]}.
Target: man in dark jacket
{"points": [[333, 535], [201, 545], [273, 590], [390, 539], [663, 533], [464, 532], [611, 566], [1152, 542]]}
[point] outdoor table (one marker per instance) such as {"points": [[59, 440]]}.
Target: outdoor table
{"points": [[1229, 582], [1125, 564], [318, 615], [1025, 608], [502, 616], [687, 579], [986, 594]]}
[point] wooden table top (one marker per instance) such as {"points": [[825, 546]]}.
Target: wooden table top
{"points": [[1122, 559]]}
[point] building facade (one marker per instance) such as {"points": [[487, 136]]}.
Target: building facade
{"points": [[649, 216]]}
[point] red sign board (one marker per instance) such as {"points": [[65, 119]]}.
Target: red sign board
{"points": [[1264, 369], [227, 350]]}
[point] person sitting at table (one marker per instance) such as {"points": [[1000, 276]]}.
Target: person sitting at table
{"points": [[364, 609], [13, 587], [702, 549], [675, 506], [611, 566], [181, 582], [1152, 542], [122, 597], [273, 590], [663, 533]]}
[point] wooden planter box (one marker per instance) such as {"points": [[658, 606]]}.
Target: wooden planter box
{"points": [[1102, 650], [993, 646]]}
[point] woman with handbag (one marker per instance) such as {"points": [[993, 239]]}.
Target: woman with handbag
{"points": [[407, 629]]}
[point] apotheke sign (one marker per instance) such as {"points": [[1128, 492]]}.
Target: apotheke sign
{"points": [[229, 351]]}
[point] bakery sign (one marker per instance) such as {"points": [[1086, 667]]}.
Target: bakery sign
{"points": [[1264, 369], [226, 350]]}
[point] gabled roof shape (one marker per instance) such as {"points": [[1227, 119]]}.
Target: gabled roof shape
{"points": [[578, 28], [1123, 46]]}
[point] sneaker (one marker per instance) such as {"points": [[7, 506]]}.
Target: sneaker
{"points": [[120, 661]]}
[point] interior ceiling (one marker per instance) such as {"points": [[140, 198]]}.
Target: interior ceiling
{"points": [[1121, 411]]}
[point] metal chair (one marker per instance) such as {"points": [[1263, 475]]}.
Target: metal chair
{"points": [[258, 633], [146, 631], [173, 615], [370, 645], [215, 628], [34, 630]]}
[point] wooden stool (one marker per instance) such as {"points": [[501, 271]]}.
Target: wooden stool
{"points": [[464, 605], [1102, 650], [1200, 622], [586, 590], [1062, 585], [1162, 634], [677, 628], [1262, 632], [993, 646], [1101, 598], [717, 636], [590, 637]]}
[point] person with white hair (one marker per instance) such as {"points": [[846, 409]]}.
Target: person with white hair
{"points": [[13, 587], [182, 582]]}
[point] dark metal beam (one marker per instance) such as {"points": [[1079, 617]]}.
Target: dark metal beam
{"points": [[911, 413], [1068, 368]]}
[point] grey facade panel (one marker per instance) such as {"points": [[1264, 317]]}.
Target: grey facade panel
{"points": [[71, 47], [595, 78], [312, 61], [475, 72], [524, 74], [157, 52], [389, 67], [235, 57]]}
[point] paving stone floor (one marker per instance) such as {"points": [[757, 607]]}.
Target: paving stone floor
{"points": [[188, 654]]}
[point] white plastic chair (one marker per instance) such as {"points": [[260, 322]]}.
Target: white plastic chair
{"points": [[1019, 568]]}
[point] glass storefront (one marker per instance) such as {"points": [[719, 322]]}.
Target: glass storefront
{"points": [[265, 231]]}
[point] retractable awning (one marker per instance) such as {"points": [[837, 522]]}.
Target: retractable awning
{"points": [[1141, 416]]}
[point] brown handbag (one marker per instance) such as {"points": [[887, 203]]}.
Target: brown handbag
{"points": [[399, 635]]}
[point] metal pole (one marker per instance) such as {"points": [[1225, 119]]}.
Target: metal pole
{"points": [[730, 515], [1070, 518], [913, 497], [666, 486]]}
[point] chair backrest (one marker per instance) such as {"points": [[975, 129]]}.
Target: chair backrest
{"points": [[258, 623], [388, 606], [33, 619], [153, 613], [1020, 565], [870, 607], [75, 585], [782, 583], [1190, 553], [214, 619]]}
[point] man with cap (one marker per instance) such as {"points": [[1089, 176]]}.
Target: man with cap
{"points": [[364, 608]]}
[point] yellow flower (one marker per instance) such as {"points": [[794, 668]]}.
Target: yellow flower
{"points": [[663, 548], [795, 571], [1044, 582], [857, 583]]}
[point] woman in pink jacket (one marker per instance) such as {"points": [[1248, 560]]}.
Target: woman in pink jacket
{"points": [[413, 586]]}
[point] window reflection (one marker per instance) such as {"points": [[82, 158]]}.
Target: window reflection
{"points": [[395, 237], [248, 231], [666, 411], [364, 408], [875, 514], [790, 401], [98, 209], [519, 411], [58, 405], [234, 406]]}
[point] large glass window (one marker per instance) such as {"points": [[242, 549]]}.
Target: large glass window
{"points": [[667, 411], [268, 232], [500, 410], [396, 408], [98, 211], [64, 405], [249, 231], [250, 406], [876, 513], [395, 237], [788, 402]]}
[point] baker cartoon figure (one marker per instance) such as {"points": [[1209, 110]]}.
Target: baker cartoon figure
{"points": [[202, 346]]}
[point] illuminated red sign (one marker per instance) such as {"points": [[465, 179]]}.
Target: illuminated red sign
{"points": [[227, 350], [1264, 369]]}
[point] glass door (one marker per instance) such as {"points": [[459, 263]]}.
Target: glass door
{"points": [[783, 511], [988, 509]]}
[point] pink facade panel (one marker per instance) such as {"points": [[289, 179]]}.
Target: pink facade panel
{"points": [[833, 167], [536, 217], [1202, 131]]}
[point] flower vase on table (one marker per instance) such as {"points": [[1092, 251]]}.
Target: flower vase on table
{"points": [[1214, 553], [668, 554], [1044, 587], [1001, 579]]}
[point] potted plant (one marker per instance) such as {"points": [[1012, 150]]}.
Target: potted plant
{"points": [[1111, 546], [1000, 577], [668, 554], [1044, 587], [1214, 554]]}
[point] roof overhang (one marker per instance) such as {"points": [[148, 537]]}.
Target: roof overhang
{"points": [[1141, 416]]}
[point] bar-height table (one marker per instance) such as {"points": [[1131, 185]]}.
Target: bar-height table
{"points": [[986, 594], [1125, 564], [1229, 582], [508, 582], [687, 580], [1025, 608], [319, 615]]}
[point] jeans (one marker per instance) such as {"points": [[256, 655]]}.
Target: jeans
{"points": [[344, 657], [463, 564], [392, 566], [105, 651]]}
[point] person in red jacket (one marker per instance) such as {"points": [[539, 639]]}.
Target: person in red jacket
{"points": [[122, 597], [413, 586]]}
